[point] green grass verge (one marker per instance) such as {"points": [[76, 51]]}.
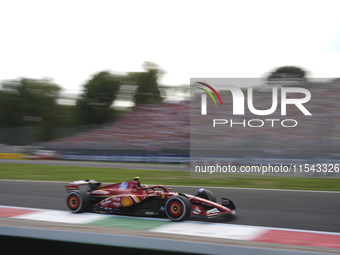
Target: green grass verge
{"points": [[112, 175]]}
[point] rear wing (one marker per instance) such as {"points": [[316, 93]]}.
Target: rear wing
{"points": [[92, 185]]}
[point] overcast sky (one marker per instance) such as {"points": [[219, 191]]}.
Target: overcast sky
{"points": [[71, 40]]}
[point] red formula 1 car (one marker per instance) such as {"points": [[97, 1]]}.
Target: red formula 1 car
{"points": [[131, 198]]}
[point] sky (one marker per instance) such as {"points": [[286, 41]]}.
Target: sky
{"points": [[71, 40]]}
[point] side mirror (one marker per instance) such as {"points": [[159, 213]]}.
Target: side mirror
{"points": [[169, 189]]}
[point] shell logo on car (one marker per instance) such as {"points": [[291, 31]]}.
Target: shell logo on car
{"points": [[126, 201]]}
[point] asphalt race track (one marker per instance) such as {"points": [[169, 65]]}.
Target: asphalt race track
{"points": [[318, 211]]}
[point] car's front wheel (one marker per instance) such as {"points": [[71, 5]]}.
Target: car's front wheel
{"points": [[178, 208]]}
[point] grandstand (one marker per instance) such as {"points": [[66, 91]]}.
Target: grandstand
{"points": [[150, 127], [165, 126]]}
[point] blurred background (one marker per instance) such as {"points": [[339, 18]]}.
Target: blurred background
{"points": [[115, 115]]}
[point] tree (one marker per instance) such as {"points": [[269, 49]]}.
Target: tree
{"points": [[147, 90], [29, 102], [287, 75], [94, 106]]}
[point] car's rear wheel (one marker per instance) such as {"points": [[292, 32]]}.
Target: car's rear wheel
{"points": [[77, 201], [178, 208]]}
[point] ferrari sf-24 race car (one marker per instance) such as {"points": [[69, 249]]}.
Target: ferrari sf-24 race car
{"points": [[132, 198]]}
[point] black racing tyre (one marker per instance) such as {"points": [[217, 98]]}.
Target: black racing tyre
{"points": [[206, 194], [77, 201], [178, 208]]}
